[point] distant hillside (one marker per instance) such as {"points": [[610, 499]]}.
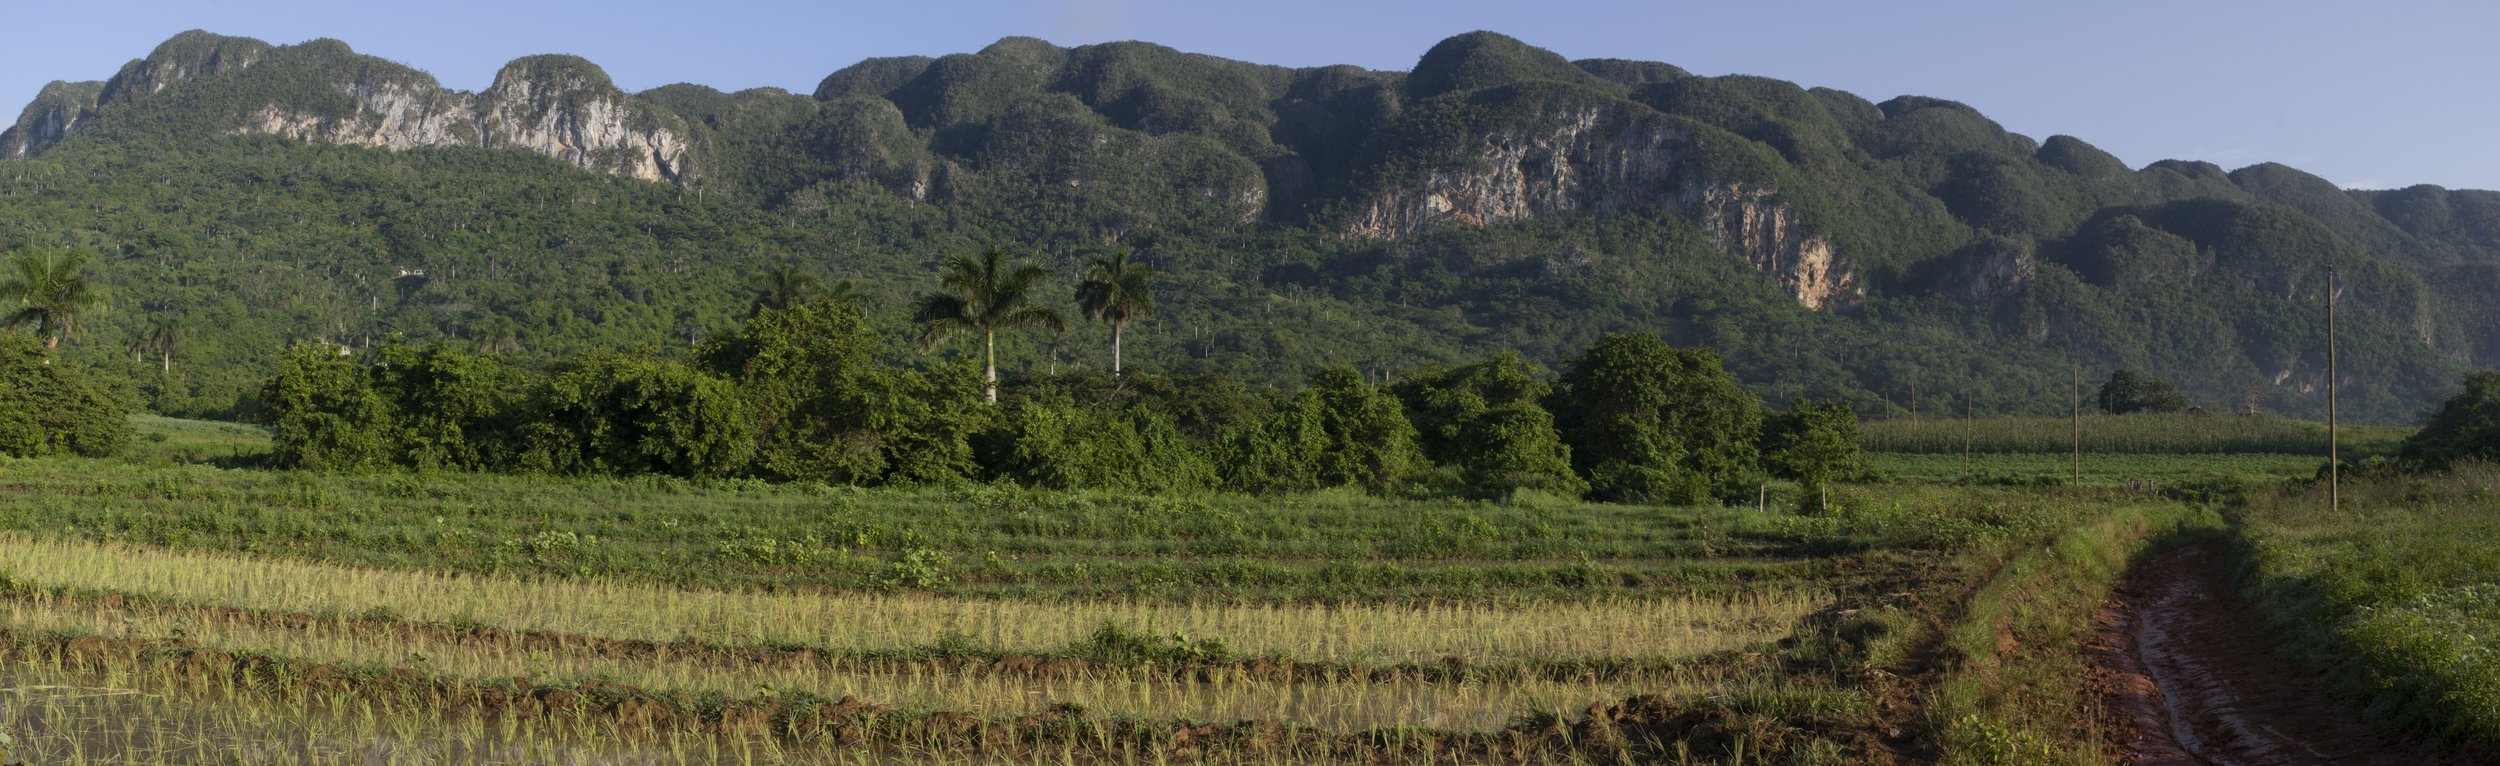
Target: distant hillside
{"points": [[1496, 197]]}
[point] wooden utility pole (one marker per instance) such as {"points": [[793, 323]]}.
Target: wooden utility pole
{"points": [[2078, 392], [2334, 458], [1913, 400], [1968, 425]]}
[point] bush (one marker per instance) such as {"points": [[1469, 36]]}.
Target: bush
{"points": [[1648, 422], [323, 412], [54, 408], [2127, 392], [1485, 419], [627, 415], [1057, 445], [2467, 426]]}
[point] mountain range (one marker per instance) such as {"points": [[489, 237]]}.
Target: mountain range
{"points": [[1900, 254]]}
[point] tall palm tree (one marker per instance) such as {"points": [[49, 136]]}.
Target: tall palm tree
{"points": [[163, 333], [1116, 290], [786, 286], [51, 291], [984, 294]]}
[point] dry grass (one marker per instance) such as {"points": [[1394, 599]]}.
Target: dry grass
{"points": [[1336, 705], [852, 622]]}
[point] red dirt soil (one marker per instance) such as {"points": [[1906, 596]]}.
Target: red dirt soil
{"points": [[2187, 676]]}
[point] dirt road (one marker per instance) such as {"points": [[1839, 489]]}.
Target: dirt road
{"points": [[2188, 676]]}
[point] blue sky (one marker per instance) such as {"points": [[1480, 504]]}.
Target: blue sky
{"points": [[2381, 94]]}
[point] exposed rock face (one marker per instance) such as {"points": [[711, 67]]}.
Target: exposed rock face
{"points": [[55, 113], [1749, 221], [557, 111], [1602, 160], [558, 106], [1596, 161]]}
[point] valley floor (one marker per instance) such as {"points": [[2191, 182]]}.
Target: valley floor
{"points": [[160, 608]]}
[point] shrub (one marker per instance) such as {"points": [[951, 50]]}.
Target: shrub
{"points": [[50, 408], [626, 415], [1648, 422], [324, 412], [2128, 392], [2467, 426]]}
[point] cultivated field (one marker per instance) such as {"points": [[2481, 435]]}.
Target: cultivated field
{"points": [[175, 606]]}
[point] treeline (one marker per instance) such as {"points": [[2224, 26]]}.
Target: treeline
{"points": [[802, 394]]}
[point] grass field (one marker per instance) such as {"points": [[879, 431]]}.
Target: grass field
{"points": [[2127, 435], [2036, 469], [174, 606], [2392, 595]]}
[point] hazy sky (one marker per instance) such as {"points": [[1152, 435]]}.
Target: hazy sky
{"points": [[2372, 94]]}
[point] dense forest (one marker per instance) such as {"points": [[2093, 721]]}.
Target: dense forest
{"points": [[243, 199]]}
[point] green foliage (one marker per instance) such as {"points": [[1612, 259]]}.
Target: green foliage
{"points": [[983, 294], [456, 410], [54, 408], [1056, 445], [323, 412], [2389, 598], [628, 415], [1116, 290], [1241, 179], [1368, 442], [1650, 422], [803, 371], [1338, 432], [2128, 392], [51, 291], [1814, 443], [1121, 646], [1488, 419], [2466, 427]]}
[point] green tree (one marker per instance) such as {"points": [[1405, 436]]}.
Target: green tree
{"points": [[50, 408], [1116, 290], [456, 410], [624, 415], [984, 294], [324, 412], [803, 371], [2466, 426], [1648, 422], [163, 334], [1488, 420], [1814, 443], [786, 286], [51, 290], [2128, 392]]}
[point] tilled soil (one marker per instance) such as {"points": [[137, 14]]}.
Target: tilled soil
{"points": [[2188, 676]]}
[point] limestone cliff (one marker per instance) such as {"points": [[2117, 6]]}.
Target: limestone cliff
{"points": [[1749, 221], [1608, 159], [558, 106], [561, 107], [59, 110]]}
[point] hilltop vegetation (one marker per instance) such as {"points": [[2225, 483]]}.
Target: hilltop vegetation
{"points": [[221, 183]]}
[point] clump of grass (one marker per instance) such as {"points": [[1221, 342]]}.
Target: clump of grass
{"points": [[2391, 596]]}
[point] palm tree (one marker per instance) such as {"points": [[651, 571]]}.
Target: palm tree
{"points": [[786, 286], [498, 334], [1115, 290], [164, 332], [983, 293], [51, 290]]}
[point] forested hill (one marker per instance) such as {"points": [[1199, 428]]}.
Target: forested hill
{"points": [[1497, 197]]}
